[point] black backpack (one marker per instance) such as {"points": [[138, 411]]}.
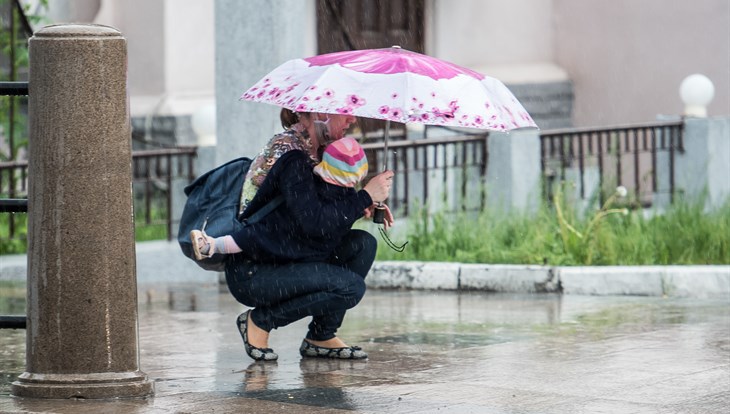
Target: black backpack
{"points": [[212, 205]]}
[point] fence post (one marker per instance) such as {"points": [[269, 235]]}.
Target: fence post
{"points": [[513, 172], [704, 166], [82, 296]]}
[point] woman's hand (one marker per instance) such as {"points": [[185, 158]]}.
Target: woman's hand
{"points": [[379, 186], [388, 219]]}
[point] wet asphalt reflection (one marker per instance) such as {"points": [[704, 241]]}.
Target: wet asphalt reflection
{"points": [[429, 352]]}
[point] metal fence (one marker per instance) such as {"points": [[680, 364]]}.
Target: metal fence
{"points": [[439, 171], [424, 168], [446, 172], [600, 159], [153, 175], [13, 174], [15, 29]]}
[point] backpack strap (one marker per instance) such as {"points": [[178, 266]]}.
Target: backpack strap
{"points": [[265, 210]]}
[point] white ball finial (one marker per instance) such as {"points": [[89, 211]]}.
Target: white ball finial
{"points": [[204, 124], [696, 92]]}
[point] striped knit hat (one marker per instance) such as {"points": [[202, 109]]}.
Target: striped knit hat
{"points": [[343, 163]]}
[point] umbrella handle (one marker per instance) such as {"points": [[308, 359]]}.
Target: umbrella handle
{"points": [[379, 213], [386, 135]]}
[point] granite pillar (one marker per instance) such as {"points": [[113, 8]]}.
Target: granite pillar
{"points": [[82, 297], [702, 170], [252, 38], [514, 172]]}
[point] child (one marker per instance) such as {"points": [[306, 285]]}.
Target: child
{"points": [[343, 166]]}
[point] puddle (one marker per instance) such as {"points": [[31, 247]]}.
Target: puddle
{"points": [[12, 298], [443, 340], [189, 345], [12, 357]]}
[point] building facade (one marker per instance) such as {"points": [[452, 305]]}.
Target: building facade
{"points": [[571, 62]]}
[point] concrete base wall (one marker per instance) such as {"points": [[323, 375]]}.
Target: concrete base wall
{"points": [[162, 263], [671, 281]]}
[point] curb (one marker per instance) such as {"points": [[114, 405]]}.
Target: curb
{"points": [[663, 281], [458, 276], [669, 281], [160, 262]]}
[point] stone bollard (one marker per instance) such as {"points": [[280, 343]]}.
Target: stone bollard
{"points": [[82, 295]]}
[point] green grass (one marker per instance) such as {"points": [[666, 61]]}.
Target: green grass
{"points": [[684, 234], [150, 232], [18, 244]]}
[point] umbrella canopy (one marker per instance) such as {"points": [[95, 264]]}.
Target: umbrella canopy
{"points": [[392, 84]]}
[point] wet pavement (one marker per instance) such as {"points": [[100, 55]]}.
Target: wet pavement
{"points": [[430, 351]]}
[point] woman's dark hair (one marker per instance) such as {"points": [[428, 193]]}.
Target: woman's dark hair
{"points": [[288, 118]]}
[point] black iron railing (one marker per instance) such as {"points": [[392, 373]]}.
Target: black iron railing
{"points": [[154, 172], [628, 156], [18, 30], [153, 175], [12, 176], [19, 88], [434, 168], [13, 205]]}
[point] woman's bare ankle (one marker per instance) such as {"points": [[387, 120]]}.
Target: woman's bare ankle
{"points": [[329, 343], [257, 336]]}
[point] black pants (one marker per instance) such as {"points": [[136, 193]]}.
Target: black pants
{"points": [[282, 294]]}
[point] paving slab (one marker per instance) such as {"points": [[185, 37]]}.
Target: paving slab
{"points": [[430, 351]]}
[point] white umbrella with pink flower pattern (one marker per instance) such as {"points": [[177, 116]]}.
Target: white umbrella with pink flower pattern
{"points": [[392, 84]]}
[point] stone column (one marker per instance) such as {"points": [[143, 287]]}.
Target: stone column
{"points": [[252, 38], [513, 171], [703, 169], [82, 296]]}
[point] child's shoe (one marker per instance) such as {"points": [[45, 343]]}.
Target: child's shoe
{"points": [[202, 244]]}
